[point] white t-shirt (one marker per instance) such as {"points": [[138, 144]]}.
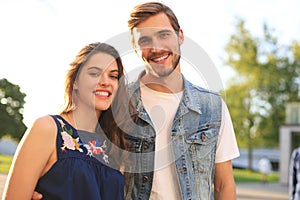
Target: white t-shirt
{"points": [[162, 108]]}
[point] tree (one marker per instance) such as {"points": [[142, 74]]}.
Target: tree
{"points": [[11, 110], [267, 78]]}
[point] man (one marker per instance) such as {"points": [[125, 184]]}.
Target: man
{"points": [[294, 175], [182, 141], [183, 144]]}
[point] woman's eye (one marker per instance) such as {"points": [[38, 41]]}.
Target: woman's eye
{"points": [[94, 74], [114, 76]]}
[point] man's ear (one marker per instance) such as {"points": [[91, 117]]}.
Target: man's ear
{"points": [[180, 36]]}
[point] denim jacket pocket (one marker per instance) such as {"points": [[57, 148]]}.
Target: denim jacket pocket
{"points": [[140, 154], [133, 144], [201, 148], [204, 135]]}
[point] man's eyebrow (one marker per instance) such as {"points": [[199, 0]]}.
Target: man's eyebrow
{"points": [[164, 31], [157, 33], [143, 37]]}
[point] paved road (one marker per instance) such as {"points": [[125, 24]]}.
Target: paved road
{"points": [[245, 191]]}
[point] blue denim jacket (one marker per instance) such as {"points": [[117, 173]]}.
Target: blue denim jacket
{"points": [[194, 139]]}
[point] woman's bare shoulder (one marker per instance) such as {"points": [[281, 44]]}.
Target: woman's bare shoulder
{"points": [[44, 124]]}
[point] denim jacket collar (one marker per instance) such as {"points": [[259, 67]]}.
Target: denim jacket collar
{"points": [[188, 102]]}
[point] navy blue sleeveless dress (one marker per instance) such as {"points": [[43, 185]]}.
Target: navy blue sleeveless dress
{"points": [[77, 174]]}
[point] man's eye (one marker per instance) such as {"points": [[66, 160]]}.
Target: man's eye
{"points": [[164, 35], [144, 42]]}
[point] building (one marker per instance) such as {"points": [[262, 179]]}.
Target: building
{"points": [[289, 139]]}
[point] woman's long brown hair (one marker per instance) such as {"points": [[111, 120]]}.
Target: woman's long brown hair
{"points": [[107, 122]]}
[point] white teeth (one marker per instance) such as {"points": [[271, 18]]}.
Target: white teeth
{"points": [[160, 59], [102, 93]]}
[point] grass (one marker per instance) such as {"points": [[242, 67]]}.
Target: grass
{"points": [[247, 176], [240, 175], [5, 162]]}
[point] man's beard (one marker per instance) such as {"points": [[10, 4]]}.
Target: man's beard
{"points": [[166, 72]]}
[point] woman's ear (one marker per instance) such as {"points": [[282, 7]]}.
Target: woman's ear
{"points": [[75, 87]]}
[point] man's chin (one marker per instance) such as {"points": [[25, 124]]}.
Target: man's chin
{"points": [[164, 74], [159, 74]]}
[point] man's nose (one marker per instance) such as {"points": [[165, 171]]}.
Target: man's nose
{"points": [[156, 45]]}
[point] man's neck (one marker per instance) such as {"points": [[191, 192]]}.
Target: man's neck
{"points": [[169, 84]]}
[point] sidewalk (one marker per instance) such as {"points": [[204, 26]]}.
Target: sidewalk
{"points": [[260, 191], [2, 182], [245, 191]]}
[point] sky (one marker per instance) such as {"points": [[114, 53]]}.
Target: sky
{"points": [[39, 38]]}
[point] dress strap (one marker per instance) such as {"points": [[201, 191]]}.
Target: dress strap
{"points": [[59, 139], [68, 141]]}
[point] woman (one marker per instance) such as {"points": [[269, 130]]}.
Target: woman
{"points": [[66, 156]]}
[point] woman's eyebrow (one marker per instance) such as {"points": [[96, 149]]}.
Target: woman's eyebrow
{"points": [[114, 70], [95, 67], [100, 69]]}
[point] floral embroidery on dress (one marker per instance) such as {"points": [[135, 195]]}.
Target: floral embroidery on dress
{"points": [[68, 141], [96, 148], [91, 148]]}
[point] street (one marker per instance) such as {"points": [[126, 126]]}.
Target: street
{"points": [[245, 191]]}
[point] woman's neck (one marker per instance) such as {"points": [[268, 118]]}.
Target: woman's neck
{"points": [[81, 120]]}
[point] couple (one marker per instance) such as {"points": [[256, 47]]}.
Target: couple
{"points": [[176, 143]]}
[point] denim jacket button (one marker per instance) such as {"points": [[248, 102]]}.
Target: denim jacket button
{"points": [[203, 137], [145, 179], [146, 146]]}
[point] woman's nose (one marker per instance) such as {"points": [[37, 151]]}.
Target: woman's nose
{"points": [[103, 80]]}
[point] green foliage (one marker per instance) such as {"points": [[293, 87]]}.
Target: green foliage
{"points": [[11, 110], [248, 176], [267, 78], [5, 162]]}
